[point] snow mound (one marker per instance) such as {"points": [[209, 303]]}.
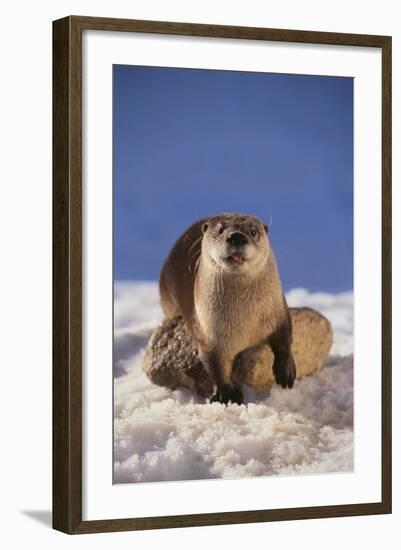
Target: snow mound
{"points": [[163, 435]]}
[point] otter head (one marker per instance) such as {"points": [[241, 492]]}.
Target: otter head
{"points": [[235, 243]]}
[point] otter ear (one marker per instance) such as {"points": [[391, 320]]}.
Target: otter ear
{"points": [[204, 227], [266, 228]]}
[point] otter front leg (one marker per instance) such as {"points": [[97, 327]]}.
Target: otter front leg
{"points": [[224, 390], [284, 369], [227, 393]]}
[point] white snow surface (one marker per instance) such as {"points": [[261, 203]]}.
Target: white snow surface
{"points": [[164, 435]]}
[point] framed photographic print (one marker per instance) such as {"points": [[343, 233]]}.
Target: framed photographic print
{"points": [[221, 274]]}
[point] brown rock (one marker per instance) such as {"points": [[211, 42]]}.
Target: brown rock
{"points": [[171, 360]]}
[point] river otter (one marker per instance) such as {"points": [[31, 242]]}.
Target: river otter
{"points": [[221, 277]]}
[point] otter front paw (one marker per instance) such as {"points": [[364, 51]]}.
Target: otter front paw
{"points": [[284, 371], [228, 393]]}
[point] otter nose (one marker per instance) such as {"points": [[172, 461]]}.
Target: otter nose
{"points": [[237, 239]]}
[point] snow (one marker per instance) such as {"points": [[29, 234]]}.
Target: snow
{"points": [[162, 435]]}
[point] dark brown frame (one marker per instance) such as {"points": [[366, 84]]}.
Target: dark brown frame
{"points": [[67, 274]]}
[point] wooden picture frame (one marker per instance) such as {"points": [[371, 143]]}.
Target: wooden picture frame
{"points": [[67, 273]]}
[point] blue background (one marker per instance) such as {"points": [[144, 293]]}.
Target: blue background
{"points": [[192, 143]]}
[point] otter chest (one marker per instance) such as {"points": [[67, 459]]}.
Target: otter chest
{"points": [[231, 320]]}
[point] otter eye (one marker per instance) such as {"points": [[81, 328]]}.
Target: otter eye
{"points": [[253, 232], [221, 229]]}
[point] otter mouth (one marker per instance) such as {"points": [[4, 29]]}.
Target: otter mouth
{"points": [[235, 258]]}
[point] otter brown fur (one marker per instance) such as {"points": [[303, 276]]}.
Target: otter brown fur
{"points": [[221, 277]]}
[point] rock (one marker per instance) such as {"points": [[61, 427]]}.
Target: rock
{"points": [[311, 342], [171, 360]]}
